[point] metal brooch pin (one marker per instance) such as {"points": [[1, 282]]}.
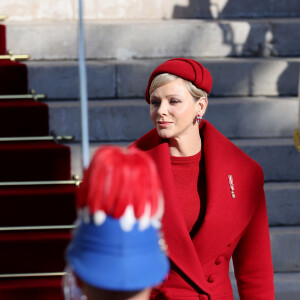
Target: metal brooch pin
{"points": [[231, 185]]}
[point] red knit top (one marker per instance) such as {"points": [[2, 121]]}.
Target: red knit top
{"points": [[189, 179]]}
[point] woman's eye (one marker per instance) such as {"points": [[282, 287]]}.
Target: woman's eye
{"points": [[155, 102], [174, 101]]}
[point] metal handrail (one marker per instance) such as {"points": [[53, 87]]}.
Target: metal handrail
{"points": [[33, 228], [14, 57], [32, 96], [56, 138], [23, 275], [75, 181]]}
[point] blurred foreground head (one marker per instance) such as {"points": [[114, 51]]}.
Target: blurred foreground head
{"points": [[117, 251]]}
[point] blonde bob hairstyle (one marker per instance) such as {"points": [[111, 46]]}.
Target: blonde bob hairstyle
{"points": [[165, 78]]}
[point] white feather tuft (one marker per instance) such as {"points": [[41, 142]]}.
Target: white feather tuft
{"points": [[144, 221], [99, 217], [128, 219]]}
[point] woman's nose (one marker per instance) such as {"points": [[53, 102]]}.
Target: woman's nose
{"points": [[163, 108]]}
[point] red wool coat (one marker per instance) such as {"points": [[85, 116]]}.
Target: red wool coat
{"points": [[232, 227]]}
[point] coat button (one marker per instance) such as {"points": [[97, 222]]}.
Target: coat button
{"points": [[203, 297], [211, 278], [219, 260]]}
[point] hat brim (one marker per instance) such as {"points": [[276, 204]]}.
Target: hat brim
{"points": [[126, 270]]}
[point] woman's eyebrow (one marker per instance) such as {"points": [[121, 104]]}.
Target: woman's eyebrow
{"points": [[167, 96], [154, 97], [173, 95]]}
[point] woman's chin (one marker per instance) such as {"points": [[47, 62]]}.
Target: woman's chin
{"points": [[165, 134]]}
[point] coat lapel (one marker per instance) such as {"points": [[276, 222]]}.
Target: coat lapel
{"points": [[180, 246], [225, 216]]}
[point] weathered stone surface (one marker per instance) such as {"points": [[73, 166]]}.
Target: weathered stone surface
{"points": [[285, 244], [125, 40], [111, 121], [235, 117], [278, 157], [283, 203], [284, 34], [149, 9], [59, 79], [36, 9], [287, 286], [253, 117]]}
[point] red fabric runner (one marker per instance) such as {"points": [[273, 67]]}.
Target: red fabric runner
{"points": [[13, 78], [46, 288], [2, 40], [23, 118], [37, 206], [31, 251], [34, 161]]}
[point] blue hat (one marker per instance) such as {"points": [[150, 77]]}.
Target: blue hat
{"points": [[111, 258]]}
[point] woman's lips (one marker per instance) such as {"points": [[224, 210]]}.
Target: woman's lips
{"points": [[164, 124]]}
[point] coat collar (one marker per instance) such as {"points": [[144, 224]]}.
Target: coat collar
{"points": [[222, 158]]}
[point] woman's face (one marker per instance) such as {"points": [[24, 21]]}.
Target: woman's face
{"points": [[173, 110]]}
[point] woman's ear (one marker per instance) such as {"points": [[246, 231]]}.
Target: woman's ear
{"points": [[202, 105]]}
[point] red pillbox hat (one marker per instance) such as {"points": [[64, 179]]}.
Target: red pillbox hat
{"points": [[187, 69]]}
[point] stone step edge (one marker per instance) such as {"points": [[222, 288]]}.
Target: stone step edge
{"points": [[141, 101], [287, 286], [76, 150], [56, 22], [243, 142], [115, 62]]}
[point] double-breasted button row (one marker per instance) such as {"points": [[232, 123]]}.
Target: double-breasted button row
{"points": [[203, 297], [211, 278], [220, 259]]}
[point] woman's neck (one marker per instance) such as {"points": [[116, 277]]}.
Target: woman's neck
{"points": [[185, 146]]}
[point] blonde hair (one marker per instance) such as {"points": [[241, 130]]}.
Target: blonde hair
{"points": [[165, 78]]}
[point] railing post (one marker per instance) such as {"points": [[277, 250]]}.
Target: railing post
{"points": [[83, 90]]}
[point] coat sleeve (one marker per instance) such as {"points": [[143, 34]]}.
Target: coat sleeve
{"points": [[252, 257]]}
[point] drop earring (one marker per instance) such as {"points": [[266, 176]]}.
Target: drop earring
{"points": [[198, 118]]}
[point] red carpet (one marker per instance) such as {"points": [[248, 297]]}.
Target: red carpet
{"points": [[13, 78], [48, 288], [2, 40], [34, 161], [44, 201], [31, 251], [31, 115]]}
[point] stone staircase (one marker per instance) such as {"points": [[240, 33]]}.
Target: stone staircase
{"points": [[252, 50]]}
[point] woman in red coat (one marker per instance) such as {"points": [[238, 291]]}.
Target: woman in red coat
{"points": [[215, 206]]}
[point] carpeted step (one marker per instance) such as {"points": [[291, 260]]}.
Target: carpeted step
{"points": [[32, 288], [37, 205], [34, 161], [2, 39], [23, 118], [33, 251], [13, 78]]}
